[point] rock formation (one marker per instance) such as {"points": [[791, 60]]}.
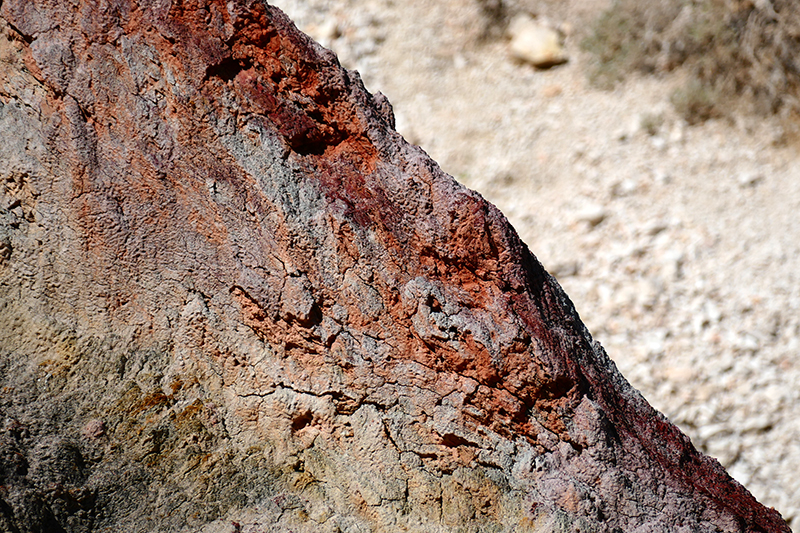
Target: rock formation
{"points": [[233, 298]]}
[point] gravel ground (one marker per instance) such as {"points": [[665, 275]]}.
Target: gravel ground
{"points": [[678, 245]]}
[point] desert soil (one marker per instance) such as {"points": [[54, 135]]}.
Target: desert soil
{"points": [[678, 244]]}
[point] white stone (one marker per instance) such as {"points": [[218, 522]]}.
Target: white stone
{"points": [[749, 179], [592, 214], [535, 43]]}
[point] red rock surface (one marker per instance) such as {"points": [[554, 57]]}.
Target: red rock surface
{"points": [[280, 313]]}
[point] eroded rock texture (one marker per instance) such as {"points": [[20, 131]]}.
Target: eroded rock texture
{"points": [[232, 298]]}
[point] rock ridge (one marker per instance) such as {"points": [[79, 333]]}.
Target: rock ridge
{"points": [[233, 294]]}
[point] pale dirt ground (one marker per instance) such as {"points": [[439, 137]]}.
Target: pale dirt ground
{"points": [[690, 277]]}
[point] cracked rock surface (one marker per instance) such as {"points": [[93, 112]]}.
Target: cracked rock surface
{"points": [[233, 298]]}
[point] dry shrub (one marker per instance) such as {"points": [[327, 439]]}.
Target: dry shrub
{"points": [[696, 102], [739, 54]]}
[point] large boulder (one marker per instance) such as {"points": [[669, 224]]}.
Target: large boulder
{"points": [[233, 298]]}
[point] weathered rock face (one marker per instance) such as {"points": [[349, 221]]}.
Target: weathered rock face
{"points": [[233, 298]]}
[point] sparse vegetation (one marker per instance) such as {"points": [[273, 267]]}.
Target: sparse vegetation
{"points": [[696, 102], [739, 55], [651, 123]]}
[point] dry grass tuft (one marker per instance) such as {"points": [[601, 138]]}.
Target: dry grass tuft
{"points": [[741, 55]]}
